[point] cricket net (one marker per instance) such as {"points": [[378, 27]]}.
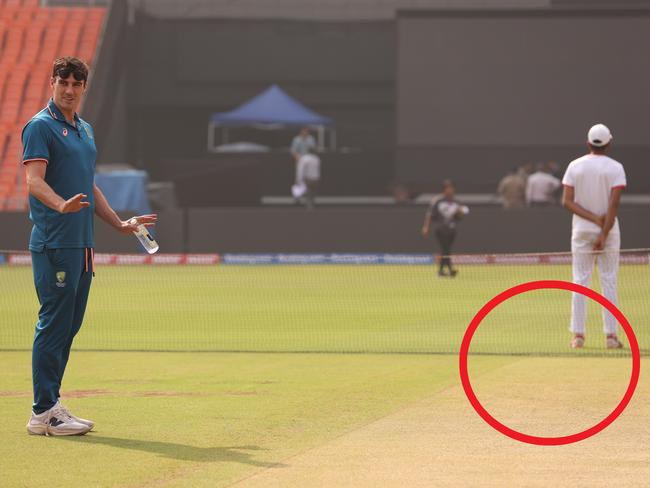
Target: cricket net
{"points": [[328, 303]]}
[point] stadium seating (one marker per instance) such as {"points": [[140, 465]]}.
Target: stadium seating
{"points": [[31, 37]]}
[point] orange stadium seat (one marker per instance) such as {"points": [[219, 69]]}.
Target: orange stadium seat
{"points": [[31, 37], [72, 34], [53, 37], [9, 172], [3, 31], [4, 137], [13, 96], [3, 79], [29, 108], [13, 43], [14, 147], [25, 14], [8, 178], [7, 181]]}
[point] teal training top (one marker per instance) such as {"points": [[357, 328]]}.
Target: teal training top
{"points": [[70, 153]]}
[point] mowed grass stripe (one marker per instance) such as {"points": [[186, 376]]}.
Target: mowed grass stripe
{"points": [[211, 418]]}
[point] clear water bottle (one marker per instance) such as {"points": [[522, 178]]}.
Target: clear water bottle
{"points": [[146, 239]]}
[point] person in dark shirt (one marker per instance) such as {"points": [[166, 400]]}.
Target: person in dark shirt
{"points": [[445, 211]]}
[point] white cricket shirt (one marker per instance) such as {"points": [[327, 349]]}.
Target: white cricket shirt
{"points": [[593, 177]]}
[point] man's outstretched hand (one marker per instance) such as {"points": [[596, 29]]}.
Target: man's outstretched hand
{"points": [[74, 204]]}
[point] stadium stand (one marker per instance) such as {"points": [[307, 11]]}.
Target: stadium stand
{"points": [[31, 37]]}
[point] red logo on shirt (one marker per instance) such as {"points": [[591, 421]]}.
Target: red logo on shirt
{"points": [[65, 132]]}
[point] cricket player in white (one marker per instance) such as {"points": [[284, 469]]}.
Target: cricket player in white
{"points": [[592, 190]]}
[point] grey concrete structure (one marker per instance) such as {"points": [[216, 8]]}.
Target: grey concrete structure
{"points": [[479, 92], [345, 229]]}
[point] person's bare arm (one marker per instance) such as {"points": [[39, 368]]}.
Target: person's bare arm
{"points": [[105, 212], [427, 222], [610, 217], [38, 188], [568, 202]]}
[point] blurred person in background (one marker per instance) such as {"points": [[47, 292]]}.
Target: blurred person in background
{"points": [[302, 144], [445, 211], [59, 158], [512, 190], [541, 187], [307, 178], [555, 169], [525, 170]]}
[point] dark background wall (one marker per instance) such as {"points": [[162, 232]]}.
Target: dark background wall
{"points": [[434, 94], [181, 71], [105, 103], [345, 229], [482, 91]]}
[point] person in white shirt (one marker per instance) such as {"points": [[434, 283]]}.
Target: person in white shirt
{"points": [[592, 191], [541, 186]]}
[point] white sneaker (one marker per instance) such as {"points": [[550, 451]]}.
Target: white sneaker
{"points": [[87, 422], [613, 342], [55, 421]]}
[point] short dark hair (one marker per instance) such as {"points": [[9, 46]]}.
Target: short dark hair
{"points": [[68, 65], [599, 149]]}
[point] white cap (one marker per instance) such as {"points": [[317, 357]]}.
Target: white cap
{"points": [[599, 135]]}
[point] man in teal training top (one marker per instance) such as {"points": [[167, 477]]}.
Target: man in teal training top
{"points": [[59, 159]]}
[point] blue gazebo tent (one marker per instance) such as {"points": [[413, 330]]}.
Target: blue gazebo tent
{"points": [[271, 109]]}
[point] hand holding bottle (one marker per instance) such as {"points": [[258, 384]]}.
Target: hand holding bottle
{"points": [[138, 225]]}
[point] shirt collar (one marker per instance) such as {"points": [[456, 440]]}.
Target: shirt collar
{"points": [[57, 114]]}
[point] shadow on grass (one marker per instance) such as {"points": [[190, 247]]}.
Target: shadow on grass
{"points": [[234, 454]]}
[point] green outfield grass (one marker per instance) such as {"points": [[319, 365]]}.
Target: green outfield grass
{"points": [[215, 418], [405, 309]]}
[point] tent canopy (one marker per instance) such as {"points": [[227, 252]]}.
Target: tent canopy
{"points": [[272, 106]]}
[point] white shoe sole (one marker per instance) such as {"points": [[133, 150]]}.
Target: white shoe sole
{"points": [[53, 431], [36, 430]]}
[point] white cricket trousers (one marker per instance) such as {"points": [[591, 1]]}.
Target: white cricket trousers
{"points": [[584, 257]]}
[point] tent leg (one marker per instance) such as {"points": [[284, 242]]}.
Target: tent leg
{"points": [[210, 137]]}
